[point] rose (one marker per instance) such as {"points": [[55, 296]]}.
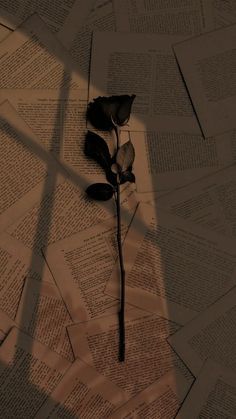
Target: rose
{"points": [[105, 113]]}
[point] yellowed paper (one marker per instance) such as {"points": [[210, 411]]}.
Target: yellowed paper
{"points": [[42, 315], [173, 267], [207, 63], [148, 355], [213, 394], [82, 393], [29, 372]]}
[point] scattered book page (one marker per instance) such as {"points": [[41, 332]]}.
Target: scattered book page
{"points": [[78, 39], [207, 63], [5, 325], [211, 335], [82, 393], [55, 14], [170, 160], [81, 266], [161, 97], [187, 18], [213, 394], [148, 355], [209, 202], [29, 372], [162, 398], [4, 32], [25, 168], [42, 61], [173, 267], [16, 263], [42, 314], [223, 12]]}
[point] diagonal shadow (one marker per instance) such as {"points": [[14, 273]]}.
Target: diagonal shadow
{"points": [[45, 212]]}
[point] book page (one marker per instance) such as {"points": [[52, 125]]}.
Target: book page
{"points": [[54, 14], [209, 202], [16, 262], [42, 61], [211, 335], [78, 40], [213, 394], [189, 18], [159, 400], [43, 316], [148, 355], [82, 393], [66, 210], [170, 160], [26, 166], [161, 97], [59, 121], [4, 32], [173, 267], [29, 372], [5, 325], [207, 63], [82, 265]]}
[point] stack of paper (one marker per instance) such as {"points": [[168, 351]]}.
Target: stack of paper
{"points": [[60, 279]]}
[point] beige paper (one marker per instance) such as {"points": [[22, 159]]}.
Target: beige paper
{"points": [[16, 262], [162, 100], [208, 66], [170, 160], [82, 393], [161, 398], [78, 39], [29, 372], [173, 267], [82, 264], [42, 61], [213, 394], [209, 202], [25, 166], [4, 32], [5, 325], [148, 355], [54, 14], [59, 120], [210, 335], [43, 316], [170, 17]]}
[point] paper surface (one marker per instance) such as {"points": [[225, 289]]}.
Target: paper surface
{"points": [[173, 267], [58, 119], [171, 17], [4, 32], [211, 335], [54, 14], [82, 393], [148, 355], [25, 166], [213, 394], [42, 61], [82, 265], [29, 372], [209, 202], [163, 397], [16, 263], [207, 63], [170, 160], [162, 100], [78, 39], [5, 325], [43, 316]]}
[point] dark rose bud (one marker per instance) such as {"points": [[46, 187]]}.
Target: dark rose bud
{"points": [[104, 112], [100, 191]]}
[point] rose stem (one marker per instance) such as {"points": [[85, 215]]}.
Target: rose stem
{"points": [[122, 269]]}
